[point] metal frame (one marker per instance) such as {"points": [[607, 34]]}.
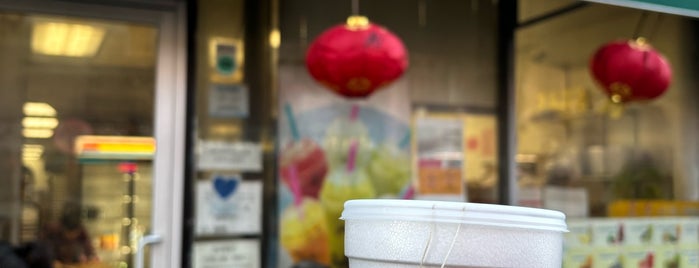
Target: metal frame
{"points": [[507, 130], [170, 105], [552, 14]]}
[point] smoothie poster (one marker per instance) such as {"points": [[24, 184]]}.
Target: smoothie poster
{"points": [[332, 150]]}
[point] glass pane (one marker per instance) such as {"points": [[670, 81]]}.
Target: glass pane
{"points": [[76, 109], [428, 135], [624, 174]]}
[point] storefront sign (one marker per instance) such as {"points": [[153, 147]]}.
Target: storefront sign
{"points": [[678, 7], [231, 253], [114, 147]]}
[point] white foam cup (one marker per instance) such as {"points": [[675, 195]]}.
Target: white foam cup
{"points": [[417, 233]]}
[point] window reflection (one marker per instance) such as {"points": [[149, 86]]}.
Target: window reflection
{"points": [[62, 78]]}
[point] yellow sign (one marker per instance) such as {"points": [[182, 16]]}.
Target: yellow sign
{"points": [[114, 147]]}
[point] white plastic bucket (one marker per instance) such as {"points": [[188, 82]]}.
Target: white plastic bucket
{"points": [[411, 233]]}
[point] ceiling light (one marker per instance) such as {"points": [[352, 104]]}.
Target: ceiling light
{"points": [[32, 151], [66, 39], [40, 122], [38, 109], [275, 38], [29, 148], [37, 133]]}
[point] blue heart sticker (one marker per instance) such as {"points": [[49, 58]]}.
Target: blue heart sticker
{"points": [[225, 187]]}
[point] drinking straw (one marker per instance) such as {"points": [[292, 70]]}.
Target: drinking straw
{"points": [[352, 155], [408, 193], [292, 122], [354, 112], [405, 141], [295, 185]]}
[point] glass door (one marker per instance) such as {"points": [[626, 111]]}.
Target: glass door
{"points": [[85, 101]]}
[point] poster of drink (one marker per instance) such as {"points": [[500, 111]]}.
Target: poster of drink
{"points": [[332, 150]]}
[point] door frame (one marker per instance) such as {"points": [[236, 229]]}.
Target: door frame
{"points": [[170, 103]]}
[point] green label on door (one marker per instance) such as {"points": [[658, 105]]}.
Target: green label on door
{"points": [[225, 65]]}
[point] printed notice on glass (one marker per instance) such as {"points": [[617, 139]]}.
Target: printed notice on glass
{"points": [[228, 101], [570, 200], [440, 158], [227, 205], [230, 156], [226, 254]]}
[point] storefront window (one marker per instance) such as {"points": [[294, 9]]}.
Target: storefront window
{"points": [[624, 174], [430, 134], [76, 146]]}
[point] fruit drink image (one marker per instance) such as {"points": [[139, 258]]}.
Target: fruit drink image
{"points": [[341, 133], [306, 157], [673, 262], [341, 185], [309, 160], [304, 232], [389, 171], [647, 262]]}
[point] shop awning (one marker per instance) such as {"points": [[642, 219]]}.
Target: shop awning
{"points": [[688, 8]]}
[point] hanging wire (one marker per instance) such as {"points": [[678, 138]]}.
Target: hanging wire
{"points": [[656, 25], [639, 25], [422, 13], [303, 32], [355, 7], [642, 21]]}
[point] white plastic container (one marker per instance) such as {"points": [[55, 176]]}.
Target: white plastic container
{"points": [[412, 233]]}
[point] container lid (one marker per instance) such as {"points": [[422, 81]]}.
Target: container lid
{"points": [[455, 212]]}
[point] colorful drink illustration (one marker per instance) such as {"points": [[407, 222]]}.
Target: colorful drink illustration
{"points": [[309, 161], [389, 171], [306, 157], [304, 232], [341, 185], [339, 136]]}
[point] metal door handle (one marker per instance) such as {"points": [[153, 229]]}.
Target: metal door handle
{"points": [[142, 243]]}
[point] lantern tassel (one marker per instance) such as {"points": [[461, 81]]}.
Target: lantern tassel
{"points": [[615, 110], [612, 109]]}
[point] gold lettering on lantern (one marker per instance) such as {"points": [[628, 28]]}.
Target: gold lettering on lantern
{"points": [[620, 92], [359, 84]]}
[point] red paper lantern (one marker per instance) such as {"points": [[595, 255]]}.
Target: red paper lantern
{"points": [[631, 71], [357, 58]]}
